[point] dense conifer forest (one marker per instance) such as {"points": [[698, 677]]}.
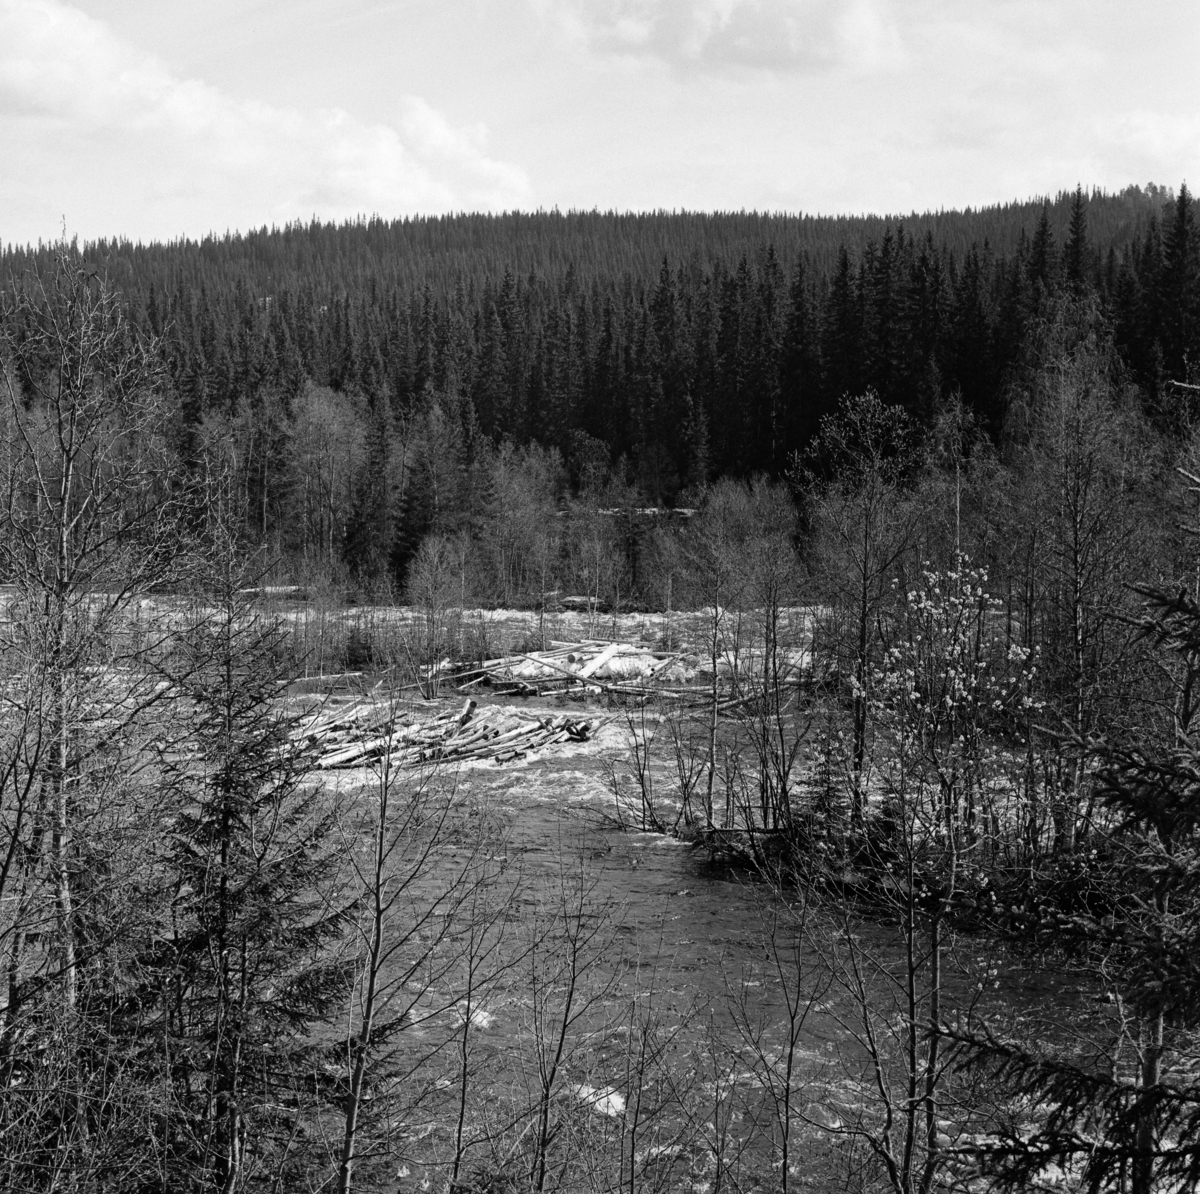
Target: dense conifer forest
{"points": [[664, 350]]}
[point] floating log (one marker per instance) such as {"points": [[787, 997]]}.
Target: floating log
{"points": [[448, 736]]}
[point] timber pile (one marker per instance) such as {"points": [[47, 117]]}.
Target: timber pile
{"points": [[595, 664], [364, 731]]}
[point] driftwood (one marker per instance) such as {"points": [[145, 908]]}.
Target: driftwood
{"points": [[622, 669], [597, 665], [365, 731]]}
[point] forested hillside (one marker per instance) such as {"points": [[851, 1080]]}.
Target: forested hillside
{"points": [[906, 532], [373, 378]]}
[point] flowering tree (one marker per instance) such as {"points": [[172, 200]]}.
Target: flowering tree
{"points": [[953, 697], [948, 698]]}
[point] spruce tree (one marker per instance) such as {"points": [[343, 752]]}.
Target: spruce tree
{"points": [[371, 529], [1043, 259], [1075, 251], [1131, 1120], [842, 332], [1179, 292], [247, 969], [799, 368]]}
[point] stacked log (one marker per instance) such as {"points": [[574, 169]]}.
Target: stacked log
{"points": [[597, 665], [359, 734]]}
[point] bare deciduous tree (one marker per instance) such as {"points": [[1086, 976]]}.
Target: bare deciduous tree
{"points": [[89, 525], [862, 523]]}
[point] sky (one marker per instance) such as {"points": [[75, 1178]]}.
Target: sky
{"points": [[154, 119]]}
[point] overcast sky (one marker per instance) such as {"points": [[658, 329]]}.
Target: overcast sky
{"points": [[156, 118]]}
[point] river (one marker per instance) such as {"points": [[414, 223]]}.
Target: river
{"points": [[694, 990]]}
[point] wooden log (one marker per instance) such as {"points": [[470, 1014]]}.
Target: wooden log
{"points": [[325, 718], [570, 675], [493, 665], [442, 737], [478, 732], [491, 750], [510, 735], [528, 732], [351, 754], [589, 669]]}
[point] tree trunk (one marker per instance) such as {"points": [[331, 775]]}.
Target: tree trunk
{"points": [[1146, 1139]]}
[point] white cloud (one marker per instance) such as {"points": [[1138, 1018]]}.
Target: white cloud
{"points": [[1162, 135], [776, 35], [77, 102]]}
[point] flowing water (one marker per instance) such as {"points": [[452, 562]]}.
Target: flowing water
{"points": [[690, 941]]}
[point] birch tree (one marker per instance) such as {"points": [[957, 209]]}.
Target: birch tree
{"points": [[89, 525]]}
